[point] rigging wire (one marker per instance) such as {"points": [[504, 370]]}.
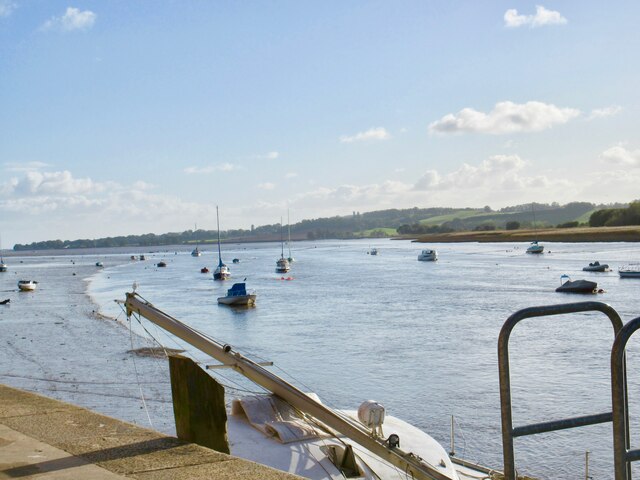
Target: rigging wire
{"points": [[144, 403]]}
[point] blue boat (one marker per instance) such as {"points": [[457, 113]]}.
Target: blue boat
{"points": [[238, 295]]}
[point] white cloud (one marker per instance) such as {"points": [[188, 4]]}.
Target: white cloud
{"points": [[619, 155], [7, 7], [506, 117], [73, 19], [223, 167], [378, 133], [267, 186], [266, 156], [541, 18], [605, 112], [25, 166]]}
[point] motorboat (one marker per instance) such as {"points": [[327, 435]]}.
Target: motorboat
{"points": [[5, 302], [27, 285], [596, 267], [196, 252], [161, 263], [294, 431], [99, 264], [535, 247], [204, 270], [629, 271], [238, 295], [373, 251], [221, 272], [428, 256], [576, 286], [236, 260]]}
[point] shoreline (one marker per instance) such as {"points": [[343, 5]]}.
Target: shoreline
{"points": [[565, 235]]}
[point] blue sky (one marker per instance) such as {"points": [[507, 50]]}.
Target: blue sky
{"points": [[129, 117]]}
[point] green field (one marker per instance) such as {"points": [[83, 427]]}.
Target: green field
{"points": [[462, 214]]}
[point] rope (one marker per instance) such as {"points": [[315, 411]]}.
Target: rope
{"points": [[135, 367]]}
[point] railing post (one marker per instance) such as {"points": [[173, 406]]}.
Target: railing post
{"points": [[508, 432]]}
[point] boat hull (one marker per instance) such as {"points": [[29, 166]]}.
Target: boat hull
{"points": [[596, 268], [238, 300], [27, 286], [578, 286], [629, 274], [3, 267]]}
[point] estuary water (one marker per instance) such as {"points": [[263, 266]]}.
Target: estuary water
{"points": [[419, 337]]}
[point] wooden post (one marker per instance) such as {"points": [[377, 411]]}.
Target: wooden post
{"points": [[198, 405]]}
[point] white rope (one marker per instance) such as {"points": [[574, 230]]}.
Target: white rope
{"points": [[135, 367]]}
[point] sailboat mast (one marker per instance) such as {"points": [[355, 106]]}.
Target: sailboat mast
{"points": [[218, 224], [288, 234], [281, 240]]}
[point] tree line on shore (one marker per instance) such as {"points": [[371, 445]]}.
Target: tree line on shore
{"points": [[412, 221]]}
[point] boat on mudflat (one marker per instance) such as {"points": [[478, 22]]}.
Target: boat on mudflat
{"points": [[238, 295], [629, 271], [596, 267], [27, 285]]}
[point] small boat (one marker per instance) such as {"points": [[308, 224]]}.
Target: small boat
{"points": [[161, 263], [282, 264], [221, 272], [196, 252], [99, 264], [3, 266], [576, 286], [204, 270], [236, 260], [428, 256], [133, 257], [596, 267], [27, 285], [238, 295], [142, 257], [5, 302], [535, 247], [373, 251], [629, 271]]}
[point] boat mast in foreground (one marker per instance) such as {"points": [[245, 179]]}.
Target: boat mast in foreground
{"points": [[409, 464]]}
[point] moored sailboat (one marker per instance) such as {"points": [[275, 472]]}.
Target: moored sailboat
{"points": [[222, 271], [282, 264], [3, 266]]}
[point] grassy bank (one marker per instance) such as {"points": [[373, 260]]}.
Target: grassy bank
{"points": [[583, 234]]}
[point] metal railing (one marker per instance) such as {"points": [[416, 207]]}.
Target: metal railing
{"points": [[622, 455], [508, 431]]}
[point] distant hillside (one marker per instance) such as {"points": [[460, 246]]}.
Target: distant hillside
{"points": [[381, 223]]}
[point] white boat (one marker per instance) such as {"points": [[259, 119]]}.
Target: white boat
{"points": [[221, 272], [535, 247], [3, 266], [238, 295], [282, 264], [596, 267], [27, 285], [629, 271], [428, 256], [294, 431], [196, 252]]}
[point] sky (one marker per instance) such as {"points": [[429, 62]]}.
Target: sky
{"points": [[127, 117]]}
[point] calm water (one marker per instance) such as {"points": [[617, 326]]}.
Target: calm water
{"points": [[419, 337]]}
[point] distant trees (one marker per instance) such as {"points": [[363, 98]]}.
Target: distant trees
{"points": [[568, 225], [512, 225], [614, 217]]}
